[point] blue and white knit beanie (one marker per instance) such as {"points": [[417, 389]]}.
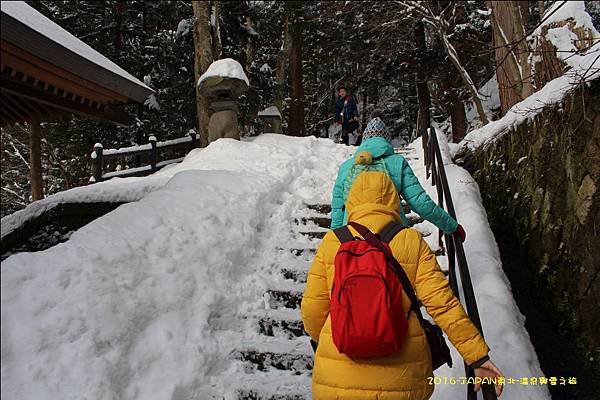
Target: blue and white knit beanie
{"points": [[375, 128]]}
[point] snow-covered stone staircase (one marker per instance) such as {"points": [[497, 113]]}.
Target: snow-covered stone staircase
{"points": [[285, 354], [283, 357], [286, 362]]}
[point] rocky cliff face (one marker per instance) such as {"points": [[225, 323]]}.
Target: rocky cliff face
{"points": [[541, 189]]}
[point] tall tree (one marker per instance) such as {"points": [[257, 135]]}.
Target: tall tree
{"points": [[511, 49], [203, 44], [35, 160], [296, 124], [283, 58], [423, 96]]}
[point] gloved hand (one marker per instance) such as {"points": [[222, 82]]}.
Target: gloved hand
{"points": [[461, 233]]}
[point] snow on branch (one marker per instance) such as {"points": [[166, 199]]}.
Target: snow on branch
{"points": [[440, 27]]}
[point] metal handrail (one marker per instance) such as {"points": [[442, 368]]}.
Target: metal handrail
{"points": [[454, 248]]}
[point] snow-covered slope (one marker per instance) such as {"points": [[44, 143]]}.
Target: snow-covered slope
{"points": [[135, 304], [152, 300]]}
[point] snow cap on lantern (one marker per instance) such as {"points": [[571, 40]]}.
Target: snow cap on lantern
{"points": [[223, 82], [223, 78]]}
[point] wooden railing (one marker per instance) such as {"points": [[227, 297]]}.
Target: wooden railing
{"points": [[454, 248], [112, 163]]}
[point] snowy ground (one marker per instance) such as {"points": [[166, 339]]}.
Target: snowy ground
{"points": [[150, 301]]}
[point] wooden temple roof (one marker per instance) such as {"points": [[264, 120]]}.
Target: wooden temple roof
{"points": [[48, 74]]}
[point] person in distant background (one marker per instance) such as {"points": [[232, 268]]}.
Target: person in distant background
{"points": [[346, 114]]}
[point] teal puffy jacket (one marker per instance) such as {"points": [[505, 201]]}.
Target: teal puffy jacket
{"points": [[406, 184]]}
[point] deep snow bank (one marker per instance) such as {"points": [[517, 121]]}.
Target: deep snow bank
{"points": [[122, 309]]}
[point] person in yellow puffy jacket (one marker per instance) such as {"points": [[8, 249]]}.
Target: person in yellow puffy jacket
{"points": [[373, 202]]}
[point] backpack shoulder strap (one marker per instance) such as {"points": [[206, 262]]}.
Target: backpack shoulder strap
{"points": [[343, 234], [390, 231]]}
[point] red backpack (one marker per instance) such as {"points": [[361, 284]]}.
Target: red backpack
{"points": [[367, 318]]}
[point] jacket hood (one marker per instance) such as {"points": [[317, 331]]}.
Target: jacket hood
{"points": [[373, 192], [377, 146]]}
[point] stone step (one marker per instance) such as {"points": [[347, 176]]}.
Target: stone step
{"points": [[321, 208], [406, 208], [270, 327], [295, 275], [299, 252], [325, 222], [404, 149], [314, 234], [262, 361], [322, 222], [284, 298], [254, 395], [414, 219]]}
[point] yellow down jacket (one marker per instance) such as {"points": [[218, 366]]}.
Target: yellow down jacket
{"points": [[373, 202]]}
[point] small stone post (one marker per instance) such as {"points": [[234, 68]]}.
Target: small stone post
{"points": [[97, 163], [154, 154], [271, 120]]}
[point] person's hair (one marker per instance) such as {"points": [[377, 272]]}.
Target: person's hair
{"points": [[342, 87]]}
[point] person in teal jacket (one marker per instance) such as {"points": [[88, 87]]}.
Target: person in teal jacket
{"points": [[377, 148]]}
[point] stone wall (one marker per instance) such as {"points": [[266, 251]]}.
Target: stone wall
{"points": [[540, 185]]}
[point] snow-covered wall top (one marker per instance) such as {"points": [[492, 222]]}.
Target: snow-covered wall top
{"points": [[35, 20], [225, 68], [566, 10], [584, 68]]}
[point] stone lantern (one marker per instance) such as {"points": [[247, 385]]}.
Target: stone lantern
{"points": [[223, 82], [271, 119]]}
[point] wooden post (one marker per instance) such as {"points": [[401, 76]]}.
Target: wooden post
{"points": [[193, 143], [154, 154], [35, 160], [203, 46], [423, 96], [97, 162]]}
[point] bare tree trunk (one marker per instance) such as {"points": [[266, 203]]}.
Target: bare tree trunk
{"points": [[423, 95], [512, 68], [451, 51], [216, 30], [280, 74], [139, 135], [250, 46], [204, 57], [364, 107], [35, 160], [296, 126], [458, 118], [120, 8]]}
